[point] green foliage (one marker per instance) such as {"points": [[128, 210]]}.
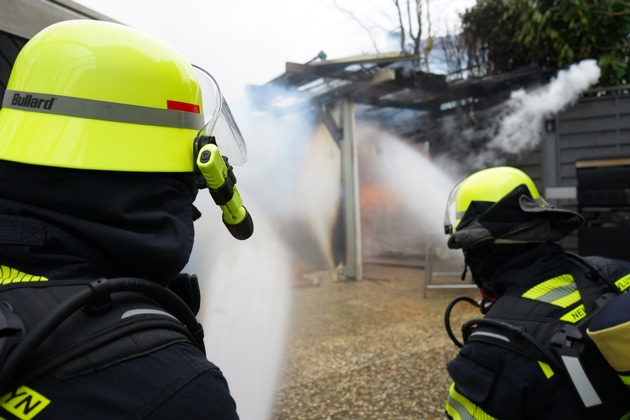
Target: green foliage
{"points": [[502, 35], [490, 31]]}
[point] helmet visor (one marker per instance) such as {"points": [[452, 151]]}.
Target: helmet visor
{"points": [[220, 122], [451, 218], [469, 208]]}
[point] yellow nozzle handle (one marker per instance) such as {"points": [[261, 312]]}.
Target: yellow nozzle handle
{"points": [[216, 173]]}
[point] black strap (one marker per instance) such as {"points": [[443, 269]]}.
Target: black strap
{"points": [[596, 290], [517, 338], [553, 341], [534, 329], [161, 330], [73, 317]]}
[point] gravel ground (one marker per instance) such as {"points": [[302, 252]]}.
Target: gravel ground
{"points": [[369, 349]]}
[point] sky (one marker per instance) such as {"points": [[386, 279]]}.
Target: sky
{"points": [[249, 41]]}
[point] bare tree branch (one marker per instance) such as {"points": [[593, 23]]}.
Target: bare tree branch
{"points": [[360, 22], [411, 25], [403, 35], [429, 45]]}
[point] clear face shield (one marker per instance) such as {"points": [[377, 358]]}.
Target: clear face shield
{"points": [[451, 217], [220, 124], [218, 145]]}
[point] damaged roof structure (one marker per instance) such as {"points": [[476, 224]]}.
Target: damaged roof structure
{"points": [[388, 89]]}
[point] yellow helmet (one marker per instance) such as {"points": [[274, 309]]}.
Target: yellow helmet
{"points": [[483, 189], [501, 206], [98, 95]]}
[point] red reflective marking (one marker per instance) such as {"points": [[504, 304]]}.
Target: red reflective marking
{"points": [[182, 106]]}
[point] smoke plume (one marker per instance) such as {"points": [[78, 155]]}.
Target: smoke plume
{"points": [[520, 128]]}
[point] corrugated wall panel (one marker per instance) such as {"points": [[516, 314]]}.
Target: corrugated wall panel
{"points": [[595, 127], [593, 124], [593, 107], [590, 140]]}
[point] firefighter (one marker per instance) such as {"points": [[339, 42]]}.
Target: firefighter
{"points": [[97, 184], [528, 357]]}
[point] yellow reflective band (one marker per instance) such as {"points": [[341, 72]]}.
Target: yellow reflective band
{"points": [[459, 407], [24, 403], [568, 300], [546, 369], [11, 275], [623, 283], [560, 291], [575, 315], [625, 379]]}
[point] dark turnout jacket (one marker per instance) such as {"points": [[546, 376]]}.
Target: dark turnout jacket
{"points": [[61, 225], [493, 381]]}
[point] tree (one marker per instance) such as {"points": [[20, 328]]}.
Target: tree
{"points": [[490, 31], [409, 26], [502, 35]]}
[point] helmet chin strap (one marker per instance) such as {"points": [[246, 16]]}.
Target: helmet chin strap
{"points": [[465, 272], [475, 263]]}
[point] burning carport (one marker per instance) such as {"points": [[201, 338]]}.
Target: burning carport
{"points": [[387, 91]]}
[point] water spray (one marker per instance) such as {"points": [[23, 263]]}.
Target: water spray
{"points": [[219, 178]]}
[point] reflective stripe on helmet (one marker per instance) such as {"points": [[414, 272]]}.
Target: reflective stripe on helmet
{"points": [[101, 110]]}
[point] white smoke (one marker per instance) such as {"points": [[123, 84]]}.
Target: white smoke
{"points": [[521, 129], [245, 307], [246, 285]]}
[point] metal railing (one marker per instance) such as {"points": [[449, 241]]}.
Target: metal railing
{"points": [[429, 274]]}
